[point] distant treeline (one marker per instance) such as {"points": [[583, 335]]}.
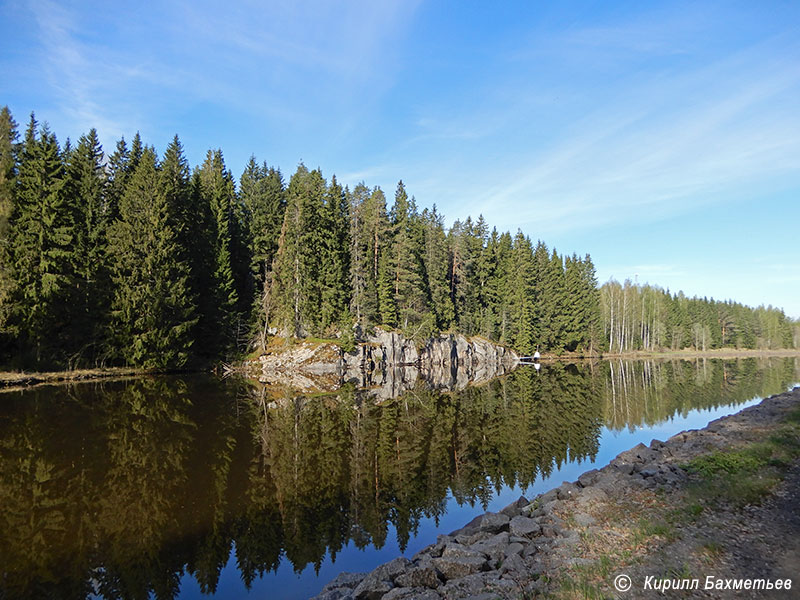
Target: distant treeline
{"points": [[131, 258], [649, 318]]}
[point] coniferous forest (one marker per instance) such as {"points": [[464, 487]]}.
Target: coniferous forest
{"points": [[131, 257]]}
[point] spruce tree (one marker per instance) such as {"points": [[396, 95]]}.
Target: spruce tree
{"points": [[485, 278], [459, 279], [435, 262], [546, 298], [491, 278], [520, 290], [135, 155], [86, 182], [118, 170], [297, 263], [503, 277], [153, 311], [368, 232], [218, 193], [467, 241], [8, 168], [554, 338], [174, 185], [572, 309], [202, 265], [43, 257], [378, 239], [361, 300], [590, 305], [410, 293], [8, 185], [335, 258], [263, 194]]}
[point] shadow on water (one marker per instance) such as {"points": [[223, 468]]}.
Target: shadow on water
{"points": [[136, 489]]}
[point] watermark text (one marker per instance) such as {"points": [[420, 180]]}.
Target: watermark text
{"points": [[623, 583]]}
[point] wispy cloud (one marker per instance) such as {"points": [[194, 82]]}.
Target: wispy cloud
{"points": [[285, 65], [69, 69], [656, 144]]}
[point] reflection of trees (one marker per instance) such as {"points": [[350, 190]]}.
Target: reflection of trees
{"points": [[124, 488], [351, 467], [648, 392], [111, 464]]}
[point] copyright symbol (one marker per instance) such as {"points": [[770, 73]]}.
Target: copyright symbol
{"points": [[622, 583]]}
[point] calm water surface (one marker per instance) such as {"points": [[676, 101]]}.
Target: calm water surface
{"points": [[195, 487]]}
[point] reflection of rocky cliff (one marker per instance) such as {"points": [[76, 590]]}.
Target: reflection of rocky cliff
{"points": [[387, 363]]}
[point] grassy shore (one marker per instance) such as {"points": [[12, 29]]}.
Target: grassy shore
{"points": [[718, 523]]}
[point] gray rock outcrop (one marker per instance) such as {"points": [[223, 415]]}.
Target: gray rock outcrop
{"points": [[387, 364]]}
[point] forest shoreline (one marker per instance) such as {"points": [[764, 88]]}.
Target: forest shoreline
{"points": [[20, 380], [718, 501], [722, 353]]}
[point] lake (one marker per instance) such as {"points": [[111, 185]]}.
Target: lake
{"points": [[196, 487]]}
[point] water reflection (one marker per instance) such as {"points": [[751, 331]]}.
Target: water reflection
{"points": [[122, 489]]}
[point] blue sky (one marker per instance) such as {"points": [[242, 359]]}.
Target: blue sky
{"points": [[661, 138]]}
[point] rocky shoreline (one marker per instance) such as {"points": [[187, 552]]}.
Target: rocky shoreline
{"points": [[385, 362], [520, 551]]}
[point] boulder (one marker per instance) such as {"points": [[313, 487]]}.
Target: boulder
{"points": [[456, 567], [591, 495], [588, 478], [494, 522], [495, 547], [567, 490], [419, 577], [412, 593], [371, 588], [514, 564], [524, 527], [454, 550], [346, 580]]}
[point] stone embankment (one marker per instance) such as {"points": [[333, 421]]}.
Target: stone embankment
{"points": [[519, 551], [387, 363]]}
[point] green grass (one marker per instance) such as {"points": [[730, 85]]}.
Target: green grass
{"points": [[745, 475], [683, 573], [647, 529], [713, 547], [581, 588], [737, 477]]}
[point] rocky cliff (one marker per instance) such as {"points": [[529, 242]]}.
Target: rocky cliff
{"points": [[386, 362]]}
